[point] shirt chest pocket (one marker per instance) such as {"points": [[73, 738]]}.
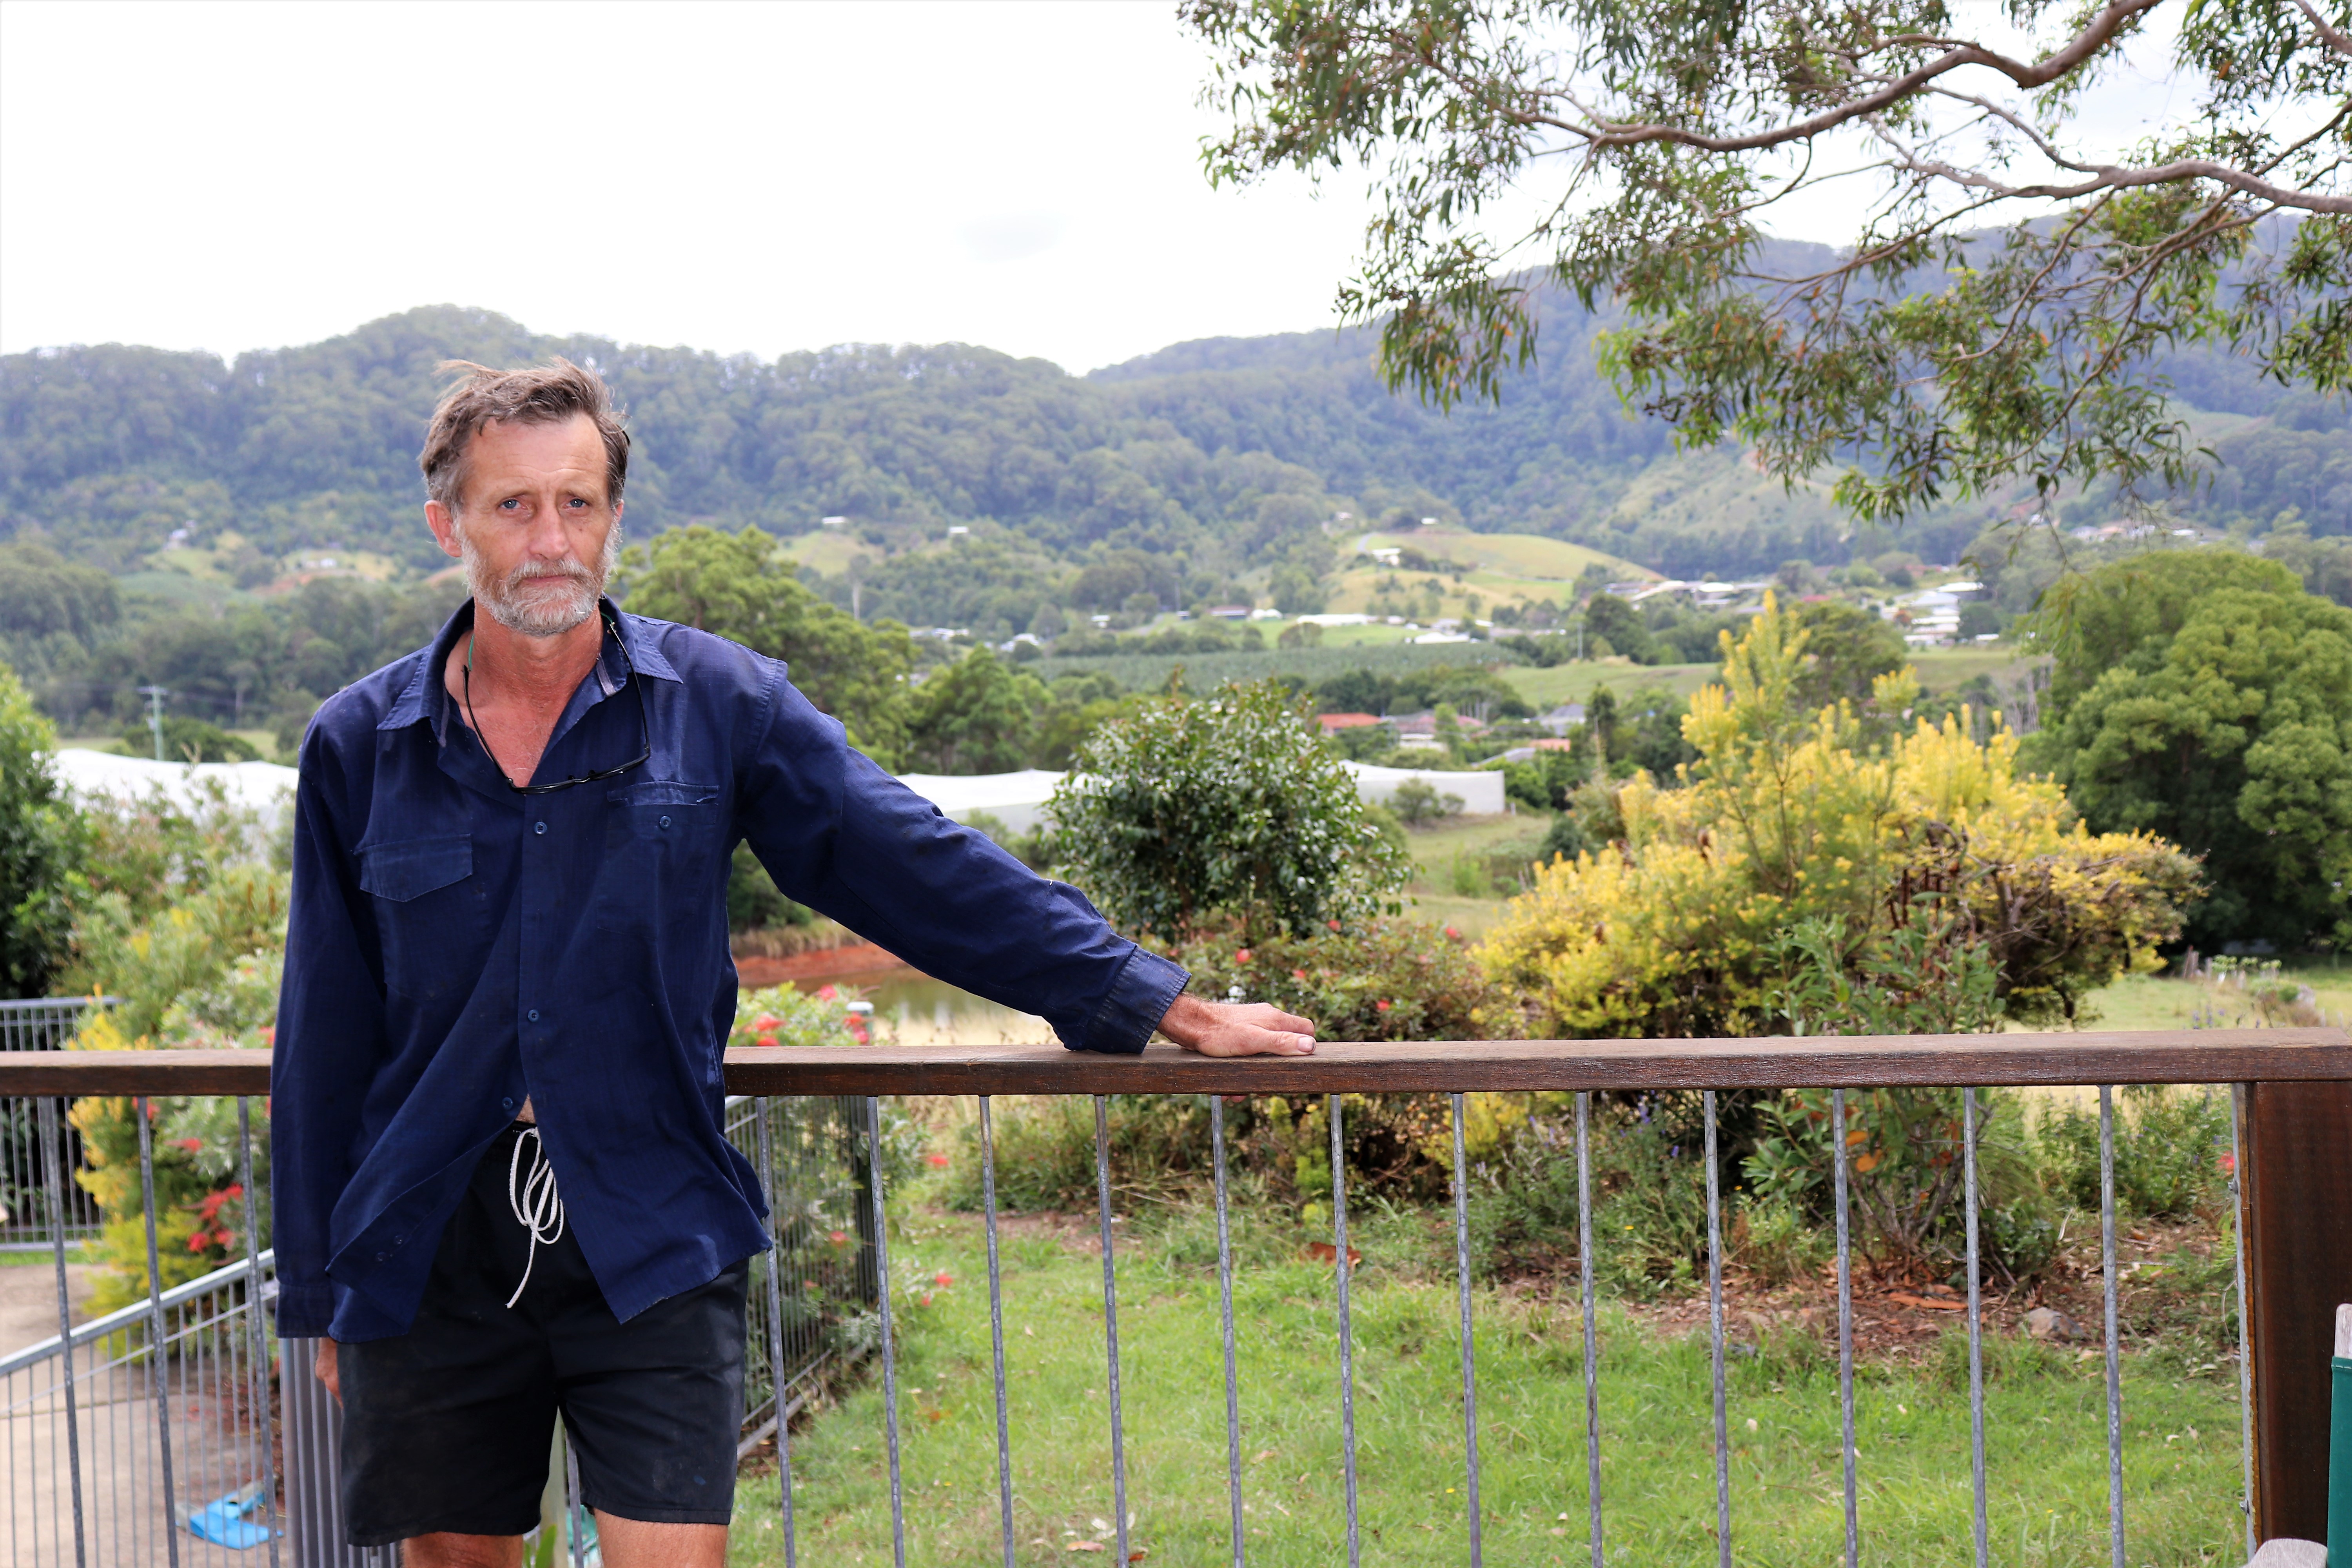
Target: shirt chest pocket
{"points": [[662, 837], [430, 917]]}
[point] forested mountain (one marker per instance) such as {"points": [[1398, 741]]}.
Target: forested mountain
{"points": [[105, 451], [1207, 472]]}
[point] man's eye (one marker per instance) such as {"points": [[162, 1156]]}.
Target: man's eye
{"points": [[510, 506]]}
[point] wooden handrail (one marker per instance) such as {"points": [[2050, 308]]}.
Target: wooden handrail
{"points": [[1854, 1061]]}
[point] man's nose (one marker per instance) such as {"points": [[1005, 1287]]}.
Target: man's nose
{"points": [[548, 538]]}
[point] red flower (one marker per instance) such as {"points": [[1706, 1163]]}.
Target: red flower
{"points": [[827, 994], [1380, 1006], [198, 1241], [837, 1237], [939, 1160], [1243, 956], [858, 1028], [1452, 934], [1333, 924], [767, 1022], [2229, 1164], [766, 1040], [942, 1278], [268, 1034], [927, 1298], [191, 1145], [1298, 974]]}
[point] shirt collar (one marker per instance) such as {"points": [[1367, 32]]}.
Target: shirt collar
{"points": [[426, 699]]}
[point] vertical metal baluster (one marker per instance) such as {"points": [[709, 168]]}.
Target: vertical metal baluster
{"points": [[1110, 1320], [1976, 1329], [1469, 1362], [256, 1331], [889, 1350], [155, 1330], [2115, 1346], [1846, 1326], [1592, 1339], [776, 1323], [1226, 1304], [1346, 1328], [53, 1162], [2240, 1109], [996, 1328], [1715, 1337], [575, 1517]]}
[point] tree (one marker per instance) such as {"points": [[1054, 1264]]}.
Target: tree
{"points": [[2202, 695], [1791, 815], [977, 715], [1611, 619], [1184, 813], [41, 843], [741, 586], [1846, 650], [2000, 299]]}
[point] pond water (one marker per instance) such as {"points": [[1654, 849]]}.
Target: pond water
{"points": [[917, 1010]]}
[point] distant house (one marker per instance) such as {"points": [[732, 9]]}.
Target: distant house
{"points": [[1563, 719], [1230, 613], [1333, 722]]}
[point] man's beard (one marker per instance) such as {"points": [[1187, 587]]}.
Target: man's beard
{"points": [[543, 613]]}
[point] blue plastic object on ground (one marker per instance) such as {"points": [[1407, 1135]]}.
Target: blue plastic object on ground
{"points": [[221, 1521]]}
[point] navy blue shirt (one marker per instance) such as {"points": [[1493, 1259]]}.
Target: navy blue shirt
{"points": [[456, 947]]}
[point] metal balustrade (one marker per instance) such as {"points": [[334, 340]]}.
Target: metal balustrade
{"points": [[797, 1105], [44, 1024]]}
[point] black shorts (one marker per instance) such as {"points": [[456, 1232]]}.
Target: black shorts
{"points": [[448, 1427]]}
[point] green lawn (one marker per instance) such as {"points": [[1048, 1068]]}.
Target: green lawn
{"points": [[2046, 1430]]}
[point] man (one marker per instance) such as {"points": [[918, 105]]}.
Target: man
{"points": [[501, 1185]]}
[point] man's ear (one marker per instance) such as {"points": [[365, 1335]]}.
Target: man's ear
{"points": [[444, 525]]}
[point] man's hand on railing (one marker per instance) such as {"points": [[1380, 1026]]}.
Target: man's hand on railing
{"points": [[1238, 1028], [328, 1372]]}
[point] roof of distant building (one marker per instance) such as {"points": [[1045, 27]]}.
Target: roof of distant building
{"points": [[1331, 722]]}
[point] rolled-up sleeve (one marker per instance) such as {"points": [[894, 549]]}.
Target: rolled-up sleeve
{"points": [[843, 838]]}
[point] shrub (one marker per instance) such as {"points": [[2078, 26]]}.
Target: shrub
{"points": [[41, 843], [787, 1016], [1778, 1240], [2168, 1148], [187, 740], [1648, 1212], [1188, 813], [1045, 1150], [1418, 803], [1791, 816], [1386, 979]]}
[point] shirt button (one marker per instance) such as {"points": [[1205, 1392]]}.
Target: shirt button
{"points": [[382, 1256], [539, 827], [665, 822], [506, 1104], [534, 1015]]}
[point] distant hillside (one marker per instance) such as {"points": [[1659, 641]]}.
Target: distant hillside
{"points": [[1224, 456]]}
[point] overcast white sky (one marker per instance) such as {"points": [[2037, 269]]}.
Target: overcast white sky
{"points": [[738, 176], [735, 176]]}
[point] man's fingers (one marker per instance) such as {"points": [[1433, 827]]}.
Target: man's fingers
{"points": [[1247, 1040]]}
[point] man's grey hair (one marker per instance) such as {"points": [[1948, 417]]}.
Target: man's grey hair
{"points": [[543, 394]]}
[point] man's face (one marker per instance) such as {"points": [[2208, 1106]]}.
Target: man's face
{"points": [[535, 526]]}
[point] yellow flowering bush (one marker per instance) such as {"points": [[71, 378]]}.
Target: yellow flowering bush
{"points": [[1676, 926]]}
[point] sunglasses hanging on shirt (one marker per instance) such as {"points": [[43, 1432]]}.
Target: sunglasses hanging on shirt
{"points": [[645, 725]]}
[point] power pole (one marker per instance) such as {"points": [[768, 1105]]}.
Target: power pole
{"points": [[155, 695]]}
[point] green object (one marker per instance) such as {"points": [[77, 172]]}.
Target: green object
{"points": [[2339, 1465]]}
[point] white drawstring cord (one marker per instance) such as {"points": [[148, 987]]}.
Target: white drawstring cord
{"points": [[535, 1202]]}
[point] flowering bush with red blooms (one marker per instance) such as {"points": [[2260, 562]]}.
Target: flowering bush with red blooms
{"points": [[787, 1016], [1389, 979]]}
